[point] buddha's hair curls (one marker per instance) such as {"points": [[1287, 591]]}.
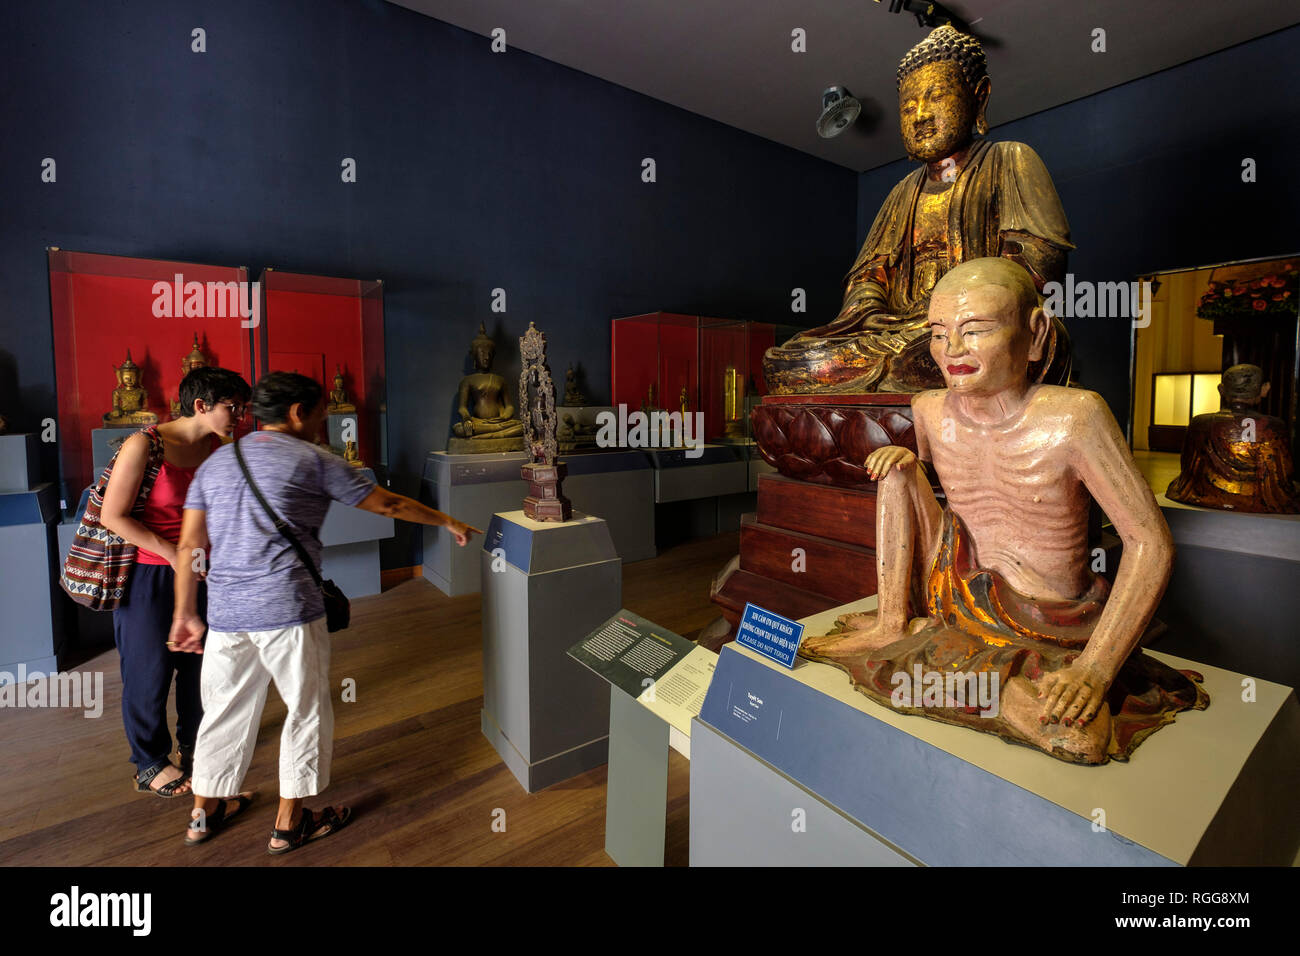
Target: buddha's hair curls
{"points": [[948, 43]]}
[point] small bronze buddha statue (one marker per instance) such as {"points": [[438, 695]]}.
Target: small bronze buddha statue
{"points": [[1238, 459], [352, 456], [572, 393], [970, 198], [338, 398], [195, 359], [130, 401], [488, 421]]}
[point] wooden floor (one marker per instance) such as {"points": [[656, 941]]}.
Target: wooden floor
{"points": [[408, 754]]}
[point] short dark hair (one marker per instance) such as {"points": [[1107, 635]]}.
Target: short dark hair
{"points": [[277, 392], [212, 385]]}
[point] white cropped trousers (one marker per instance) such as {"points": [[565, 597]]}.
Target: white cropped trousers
{"points": [[238, 667]]}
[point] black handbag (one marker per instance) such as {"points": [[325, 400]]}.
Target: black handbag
{"points": [[338, 609]]}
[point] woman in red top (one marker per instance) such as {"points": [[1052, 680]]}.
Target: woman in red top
{"points": [[212, 402]]}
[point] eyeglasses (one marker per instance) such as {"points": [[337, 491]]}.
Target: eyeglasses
{"points": [[236, 409]]}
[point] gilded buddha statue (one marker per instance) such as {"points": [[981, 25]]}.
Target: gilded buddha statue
{"points": [[488, 421], [992, 594], [1237, 459], [195, 359], [338, 396], [573, 395], [130, 401], [969, 199]]}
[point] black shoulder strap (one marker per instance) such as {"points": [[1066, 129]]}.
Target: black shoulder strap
{"points": [[280, 525]]}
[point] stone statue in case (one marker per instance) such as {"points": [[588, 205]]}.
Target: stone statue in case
{"points": [[338, 396], [195, 359], [130, 401], [1237, 459], [488, 421]]}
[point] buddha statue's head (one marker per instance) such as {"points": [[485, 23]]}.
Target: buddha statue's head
{"points": [[986, 326], [196, 359], [1243, 385], [943, 90], [128, 373], [483, 349], [338, 378]]}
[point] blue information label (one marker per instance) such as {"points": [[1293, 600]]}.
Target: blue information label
{"points": [[770, 634]]}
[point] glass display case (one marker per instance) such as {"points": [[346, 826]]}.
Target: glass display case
{"points": [[104, 309], [665, 360], [1204, 320], [332, 330]]}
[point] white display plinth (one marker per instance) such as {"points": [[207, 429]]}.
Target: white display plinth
{"points": [[1216, 787]]}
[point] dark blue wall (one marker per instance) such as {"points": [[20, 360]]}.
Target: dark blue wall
{"points": [[475, 171], [1150, 177]]}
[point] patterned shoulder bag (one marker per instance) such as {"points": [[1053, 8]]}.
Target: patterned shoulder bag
{"points": [[98, 566]]}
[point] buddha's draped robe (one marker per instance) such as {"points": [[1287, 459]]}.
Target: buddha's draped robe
{"points": [[1002, 203], [1221, 469]]}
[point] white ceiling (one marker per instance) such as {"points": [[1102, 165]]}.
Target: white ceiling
{"points": [[731, 60]]}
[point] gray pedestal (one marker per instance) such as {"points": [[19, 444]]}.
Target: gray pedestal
{"points": [[31, 609], [19, 465], [545, 586], [636, 794], [104, 443], [1232, 599], [472, 488], [335, 428], [719, 470], [351, 548], [797, 767]]}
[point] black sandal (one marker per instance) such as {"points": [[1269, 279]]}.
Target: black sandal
{"points": [[217, 820], [168, 790], [309, 828]]}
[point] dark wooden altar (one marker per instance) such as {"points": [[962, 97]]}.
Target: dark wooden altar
{"points": [[811, 544]]}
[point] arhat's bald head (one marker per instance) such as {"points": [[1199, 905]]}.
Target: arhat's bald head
{"points": [[993, 270]]}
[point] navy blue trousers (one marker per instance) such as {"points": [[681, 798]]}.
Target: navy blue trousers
{"points": [[140, 628]]}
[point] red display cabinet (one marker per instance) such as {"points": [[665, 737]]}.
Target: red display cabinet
{"points": [[320, 325], [719, 363], [101, 306]]}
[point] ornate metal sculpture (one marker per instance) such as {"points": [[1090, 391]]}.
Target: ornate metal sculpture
{"points": [[545, 502]]}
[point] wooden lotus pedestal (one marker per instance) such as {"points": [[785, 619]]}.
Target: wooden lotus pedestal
{"points": [[811, 544], [545, 502]]}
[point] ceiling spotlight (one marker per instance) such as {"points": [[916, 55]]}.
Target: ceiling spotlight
{"points": [[839, 110], [928, 15]]}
